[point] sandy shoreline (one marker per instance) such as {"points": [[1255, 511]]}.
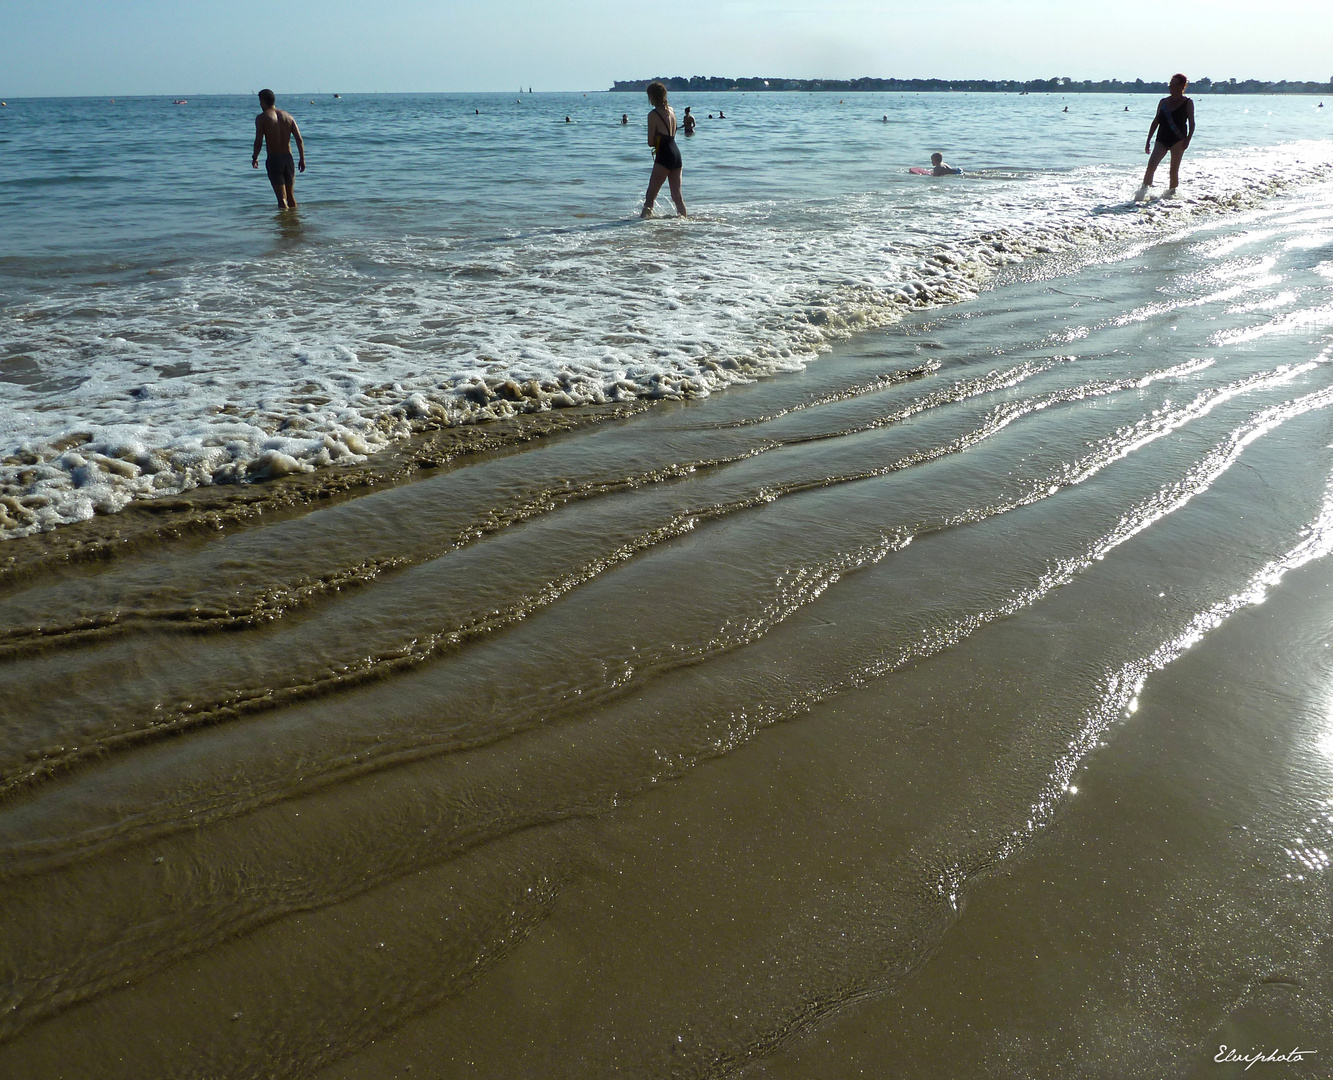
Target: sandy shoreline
{"points": [[203, 511], [1176, 907], [731, 736]]}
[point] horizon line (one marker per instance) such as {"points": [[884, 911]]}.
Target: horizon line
{"points": [[1061, 84]]}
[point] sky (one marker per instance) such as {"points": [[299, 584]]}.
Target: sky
{"points": [[126, 47]]}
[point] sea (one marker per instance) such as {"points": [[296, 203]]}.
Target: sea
{"points": [[877, 626], [460, 258]]}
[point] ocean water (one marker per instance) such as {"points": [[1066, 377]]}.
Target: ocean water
{"points": [[458, 258], [953, 702]]}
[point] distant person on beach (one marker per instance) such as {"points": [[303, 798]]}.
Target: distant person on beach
{"points": [[276, 128], [1174, 125], [687, 121], [662, 138], [939, 168]]}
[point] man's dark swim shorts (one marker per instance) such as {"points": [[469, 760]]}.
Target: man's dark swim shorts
{"points": [[281, 169]]}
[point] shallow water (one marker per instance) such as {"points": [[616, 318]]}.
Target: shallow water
{"points": [[1176, 912], [643, 748], [469, 257]]}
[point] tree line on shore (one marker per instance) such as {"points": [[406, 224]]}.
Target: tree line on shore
{"points": [[1063, 85]]}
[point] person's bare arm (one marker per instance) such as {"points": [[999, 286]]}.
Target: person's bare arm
{"points": [[1189, 124], [655, 122], [300, 143], [1156, 122], [259, 141]]}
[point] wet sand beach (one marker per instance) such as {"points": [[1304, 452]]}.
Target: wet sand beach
{"points": [[955, 706]]}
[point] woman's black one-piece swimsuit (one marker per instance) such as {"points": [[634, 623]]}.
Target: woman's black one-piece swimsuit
{"points": [[1171, 130], [668, 153]]}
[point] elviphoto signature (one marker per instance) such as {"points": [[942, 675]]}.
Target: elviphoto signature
{"points": [[1226, 1055]]}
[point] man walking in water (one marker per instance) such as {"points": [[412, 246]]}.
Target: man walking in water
{"points": [[1174, 124], [276, 128]]}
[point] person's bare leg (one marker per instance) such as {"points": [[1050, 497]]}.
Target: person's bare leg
{"points": [[282, 196], [673, 178], [1155, 159], [655, 182], [1177, 152], [291, 197]]}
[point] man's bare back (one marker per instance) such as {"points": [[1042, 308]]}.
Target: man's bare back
{"points": [[275, 128]]}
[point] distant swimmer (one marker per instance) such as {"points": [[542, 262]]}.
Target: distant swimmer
{"points": [[722, 116], [886, 118], [688, 121], [1174, 124], [568, 120], [662, 138], [1126, 108], [276, 129], [1065, 109], [624, 118]]}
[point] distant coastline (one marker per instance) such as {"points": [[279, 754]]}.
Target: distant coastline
{"points": [[992, 86]]}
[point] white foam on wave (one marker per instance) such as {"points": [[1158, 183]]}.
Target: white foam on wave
{"points": [[226, 372]]}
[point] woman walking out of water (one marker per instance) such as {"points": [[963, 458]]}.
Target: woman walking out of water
{"points": [[662, 138], [1174, 124]]}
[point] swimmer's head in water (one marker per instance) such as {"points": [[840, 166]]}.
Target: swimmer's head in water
{"points": [[937, 159], [267, 98], [657, 93], [1179, 80]]}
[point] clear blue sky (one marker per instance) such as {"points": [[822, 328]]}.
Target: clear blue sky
{"points": [[57, 47]]}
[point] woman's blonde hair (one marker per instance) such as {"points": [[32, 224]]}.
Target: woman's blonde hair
{"points": [[657, 93]]}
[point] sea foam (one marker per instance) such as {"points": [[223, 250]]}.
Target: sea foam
{"points": [[220, 373]]}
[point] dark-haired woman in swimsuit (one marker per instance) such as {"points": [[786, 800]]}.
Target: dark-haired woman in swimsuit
{"points": [[662, 138], [1174, 124]]}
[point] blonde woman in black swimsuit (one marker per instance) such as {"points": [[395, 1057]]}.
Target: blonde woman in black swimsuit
{"points": [[662, 138], [1174, 124]]}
